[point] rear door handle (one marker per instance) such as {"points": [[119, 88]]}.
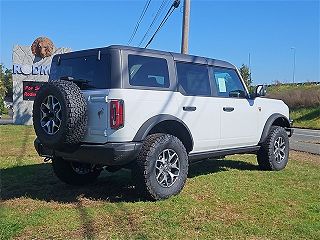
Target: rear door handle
{"points": [[228, 109], [189, 108]]}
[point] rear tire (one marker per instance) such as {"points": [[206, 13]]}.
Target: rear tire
{"points": [[274, 151], [161, 167], [74, 173]]}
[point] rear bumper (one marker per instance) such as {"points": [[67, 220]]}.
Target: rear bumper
{"points": [[109, 154]]}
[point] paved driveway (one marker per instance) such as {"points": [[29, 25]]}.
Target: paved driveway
{"points": [[306, 140], [5, 121]]}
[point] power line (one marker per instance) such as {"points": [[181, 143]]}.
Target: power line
{"points": [[170, 11], [154, 20], [168, 14], [145, 8]]}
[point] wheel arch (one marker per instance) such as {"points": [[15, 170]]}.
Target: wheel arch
{"points": [[165, 123], [275, 119]]}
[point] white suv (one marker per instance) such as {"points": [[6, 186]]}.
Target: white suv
{"points": [[154, 112]]}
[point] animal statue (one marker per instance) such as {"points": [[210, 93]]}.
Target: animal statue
{"points": [[42, 47]]}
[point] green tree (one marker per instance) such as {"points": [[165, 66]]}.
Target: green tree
{"points": [[2, 108], [3, 89], [245, 74], [7, 81], [2, 93]]}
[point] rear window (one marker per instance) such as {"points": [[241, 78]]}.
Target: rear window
{"points": [[96, 73], [148, 71]]}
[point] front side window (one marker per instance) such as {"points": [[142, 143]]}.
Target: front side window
{"points": [[193, 79], [227, 83], [148, 71]]}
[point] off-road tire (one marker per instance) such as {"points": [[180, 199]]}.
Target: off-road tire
{"points": [[266, 156], [144, 172], [73, 119], [65, 172]]}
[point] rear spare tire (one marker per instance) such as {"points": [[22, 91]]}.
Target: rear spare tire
{"points": [[60, 114]]}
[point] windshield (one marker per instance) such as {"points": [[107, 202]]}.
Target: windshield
{"points": [[94, 73]]}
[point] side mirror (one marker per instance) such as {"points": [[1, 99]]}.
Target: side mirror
{"points": [[259, 91]]}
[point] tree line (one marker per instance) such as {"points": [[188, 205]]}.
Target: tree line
{"points": [[246, 75], [6, 86]]}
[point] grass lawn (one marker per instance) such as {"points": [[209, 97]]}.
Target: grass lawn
{"points": [[222, 199], [306, 117], [290, 87]]}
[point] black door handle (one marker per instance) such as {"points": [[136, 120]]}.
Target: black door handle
{"points": [[228, 109], [189, 109]]}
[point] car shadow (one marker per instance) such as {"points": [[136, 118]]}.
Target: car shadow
{"points": [[218, 165], [39, 182]]}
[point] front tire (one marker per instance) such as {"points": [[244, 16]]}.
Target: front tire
{"points": [[274, 151], [74, 173], [161, 167]]}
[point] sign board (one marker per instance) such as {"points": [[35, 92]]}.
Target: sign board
{"points": [[30, 89], [31, 68]]}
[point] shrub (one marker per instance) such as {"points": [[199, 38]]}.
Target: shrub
{"points": [[2, 107], [298, 98]]}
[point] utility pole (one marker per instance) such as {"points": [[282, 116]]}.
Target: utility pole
{"points": [[185, 27]]}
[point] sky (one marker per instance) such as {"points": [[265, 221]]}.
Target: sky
{"points": [[225, 30]]}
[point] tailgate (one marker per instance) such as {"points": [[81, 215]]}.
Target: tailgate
{"points": [[98, 116]]}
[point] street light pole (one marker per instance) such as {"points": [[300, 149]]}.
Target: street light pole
{"points": [[294, 63], [185, 27]]}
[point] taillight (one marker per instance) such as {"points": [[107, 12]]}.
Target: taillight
{"points": [[116, 114]]}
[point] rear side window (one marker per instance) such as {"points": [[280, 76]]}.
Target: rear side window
{"points": [[227, 82], [148, 71], [95, 72], [193, 79]]}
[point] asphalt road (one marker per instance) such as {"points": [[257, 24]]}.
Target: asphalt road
{"points": [[5, 121], [306, 140]]}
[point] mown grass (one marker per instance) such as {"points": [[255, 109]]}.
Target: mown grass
{"points": [[291, 87], [222, 199], [306, 117]]}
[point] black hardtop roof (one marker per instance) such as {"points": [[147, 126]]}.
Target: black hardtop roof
{"points": [[176, 56]]}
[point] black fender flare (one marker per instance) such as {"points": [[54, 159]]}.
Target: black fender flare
{"points": [[269, 123], [153, 121]]}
